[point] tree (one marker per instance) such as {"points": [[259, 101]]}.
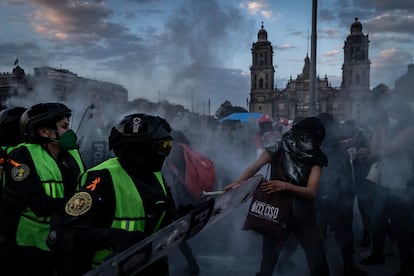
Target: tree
{"points": [[227, 108]]}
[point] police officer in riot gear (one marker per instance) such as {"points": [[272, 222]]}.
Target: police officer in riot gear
{"points": [[40, 176], [10, 136], [124, 198], [10, 126]]}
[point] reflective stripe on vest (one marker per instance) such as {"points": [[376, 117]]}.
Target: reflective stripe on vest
{"points": [[33, 230], [129, 209]]}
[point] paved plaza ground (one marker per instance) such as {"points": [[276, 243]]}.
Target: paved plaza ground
{"points": [[222, 249]]}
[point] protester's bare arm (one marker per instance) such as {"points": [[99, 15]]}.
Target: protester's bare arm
{"points": [[251, 170], [309, 191]]}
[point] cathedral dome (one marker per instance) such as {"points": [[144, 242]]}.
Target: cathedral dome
{"points": [[356, 27], [262, 34]]}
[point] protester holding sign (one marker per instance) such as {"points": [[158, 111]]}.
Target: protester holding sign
{"points": [[296, 166]]}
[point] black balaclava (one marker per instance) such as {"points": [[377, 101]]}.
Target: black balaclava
{"points": [[301, 145]]}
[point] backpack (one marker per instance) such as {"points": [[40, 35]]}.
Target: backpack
{"points": [[200, 173]]}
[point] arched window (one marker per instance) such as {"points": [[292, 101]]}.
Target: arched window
{"points": [[261, 62], [261, 83]]}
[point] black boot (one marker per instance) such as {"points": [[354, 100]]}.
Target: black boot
{"points": [[405, 270], [373, 259], [366, 239], [350, 268]]}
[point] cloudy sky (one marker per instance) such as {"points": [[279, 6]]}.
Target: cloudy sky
{"points": [[193, 51]]}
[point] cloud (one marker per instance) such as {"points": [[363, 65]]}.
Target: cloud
{"points": [[14, 2], [254, 7], [329, 33], [144, 1], [266, 14], [295, 33], [192, 51], [27, 51], [389, 55], [382, 5], [326, 15], [284, 47], [74, 21], [198, 44], [389, 65], [397, 21], [333, 53], [257, 7]]}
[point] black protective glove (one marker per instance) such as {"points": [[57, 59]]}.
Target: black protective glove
{"points": [[183, 210], [51, 240], [121, 239]]}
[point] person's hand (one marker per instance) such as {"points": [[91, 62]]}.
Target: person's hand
{"points": [[124, 239], [272, 186], [232, 186], [362, 153]]}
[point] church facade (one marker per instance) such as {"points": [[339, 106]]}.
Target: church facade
{"points": [[350, 101]]}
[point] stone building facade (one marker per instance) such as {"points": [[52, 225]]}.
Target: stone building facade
{"points": [[14, 84], [62, 84], [346, 102]]}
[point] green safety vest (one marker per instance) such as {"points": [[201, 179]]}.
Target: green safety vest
{"points": [[33, 230], [129, 209]]}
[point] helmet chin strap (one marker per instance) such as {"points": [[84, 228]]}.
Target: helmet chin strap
{"points": [[48, 139]]}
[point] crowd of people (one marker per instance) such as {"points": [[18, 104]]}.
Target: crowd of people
{"points": [[63, 216]]}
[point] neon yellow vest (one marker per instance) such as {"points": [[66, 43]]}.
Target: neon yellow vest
{"points": [[33, 230], [129, 209]]}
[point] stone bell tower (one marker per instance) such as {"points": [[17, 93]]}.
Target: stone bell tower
{"points": [[356, 66], [356, 72], [262, 74]]}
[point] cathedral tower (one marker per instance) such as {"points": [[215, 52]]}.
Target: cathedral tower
{"points": [[262, 74], [356, 66], [356, 74]]}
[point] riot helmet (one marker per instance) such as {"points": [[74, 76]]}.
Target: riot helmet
{"points": [[42, 115], [143, 139], [10, 126]]}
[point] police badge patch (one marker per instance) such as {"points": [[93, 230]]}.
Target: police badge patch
{"points": [[20, 172], [79, 204]]}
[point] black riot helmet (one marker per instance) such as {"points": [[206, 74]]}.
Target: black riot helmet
{"points": [[10, 126], [143, 139], [42, 115]]}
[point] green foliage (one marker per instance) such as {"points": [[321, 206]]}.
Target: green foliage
{"points": [[227, 108]]}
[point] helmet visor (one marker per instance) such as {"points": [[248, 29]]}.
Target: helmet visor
{"points": [[162, 147]]}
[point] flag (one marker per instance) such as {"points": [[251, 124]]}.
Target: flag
{"points": [[16, 61]]}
